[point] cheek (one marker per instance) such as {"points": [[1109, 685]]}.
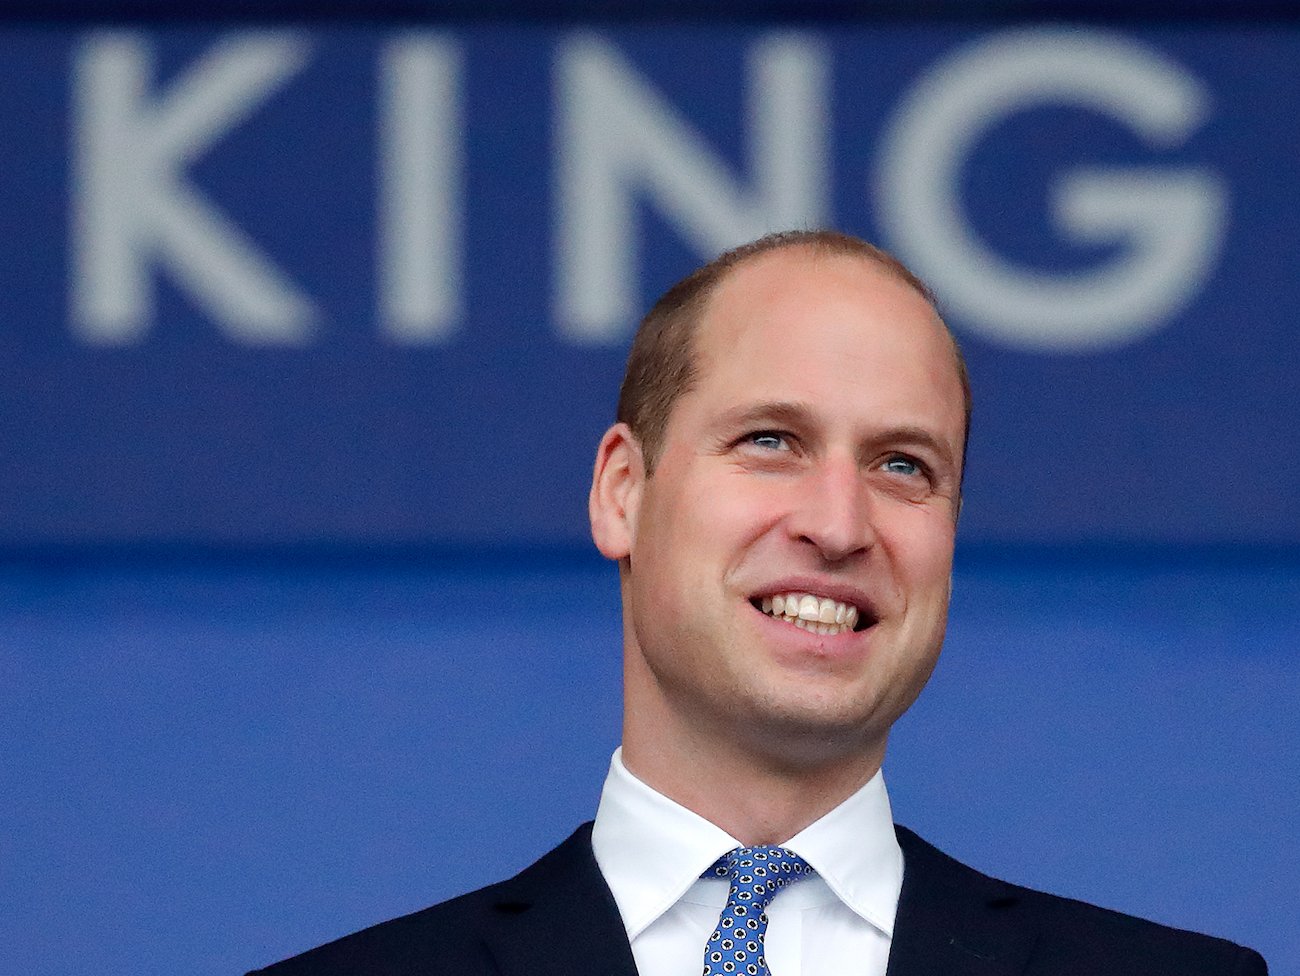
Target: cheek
{"points": [[707, 523], [921, 551], [753, 504], [676, 537], [722, 514]]}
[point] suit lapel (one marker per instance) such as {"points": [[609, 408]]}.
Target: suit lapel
{"points": [[558, 918], [954, 921]]}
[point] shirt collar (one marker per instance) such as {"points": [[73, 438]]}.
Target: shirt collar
{"points": [[855, 851], [651, 850]]}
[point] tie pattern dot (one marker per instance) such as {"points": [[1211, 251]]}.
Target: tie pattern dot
{"points": [[756, 875]]}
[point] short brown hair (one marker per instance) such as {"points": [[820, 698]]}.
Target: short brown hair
{"points": [[661, 363]]}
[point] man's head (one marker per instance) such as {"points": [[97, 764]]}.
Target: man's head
{"points": [[805, 451], [661, 364]]}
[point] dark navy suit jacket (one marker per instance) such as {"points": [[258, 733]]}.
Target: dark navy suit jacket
{"points": [[558, 918]]}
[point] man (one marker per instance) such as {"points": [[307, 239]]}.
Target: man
{"points": [[781, 495]]}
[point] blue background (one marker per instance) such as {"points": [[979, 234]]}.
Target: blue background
{"points": [[209, 768], [186, 437], [281, 629]]}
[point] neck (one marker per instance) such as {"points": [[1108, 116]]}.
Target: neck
{"points": [[756, 796]]}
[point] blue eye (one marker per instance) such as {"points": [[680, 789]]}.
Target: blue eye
{"points": [[768, 440], [902, 465]]}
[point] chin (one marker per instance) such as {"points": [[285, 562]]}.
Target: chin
{"points": [[812, 732]]}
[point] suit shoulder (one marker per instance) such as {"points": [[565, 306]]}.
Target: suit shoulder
{"points": [[448, 937], [1116, 942], [1071, 936], [389, 948]]}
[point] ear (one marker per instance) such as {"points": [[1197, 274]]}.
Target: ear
{"points": [[616, 485]]}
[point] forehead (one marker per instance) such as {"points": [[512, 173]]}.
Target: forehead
{"points": [[825, 325]]}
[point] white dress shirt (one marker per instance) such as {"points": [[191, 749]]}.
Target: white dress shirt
{"points": [[652, 852]]}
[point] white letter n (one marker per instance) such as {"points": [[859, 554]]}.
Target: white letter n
{"points": [[616, 138]]}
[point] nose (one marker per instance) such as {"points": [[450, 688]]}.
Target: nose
{"points": [[833, 510]]}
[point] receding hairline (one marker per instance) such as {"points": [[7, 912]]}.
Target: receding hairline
{"points": [[879, 261], [884, 264], [683, 308]]}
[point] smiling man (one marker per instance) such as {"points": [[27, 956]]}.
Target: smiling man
{"points": [[811, 461], [781, 494]]}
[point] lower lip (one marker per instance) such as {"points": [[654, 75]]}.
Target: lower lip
{"points": [[844, 641]]}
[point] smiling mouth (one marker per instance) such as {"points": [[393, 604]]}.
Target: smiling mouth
{"points": [[817, 615]]}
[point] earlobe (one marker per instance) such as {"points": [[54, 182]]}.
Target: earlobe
{"points": [[615, 497]]}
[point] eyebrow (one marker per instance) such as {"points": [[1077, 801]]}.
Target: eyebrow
{"points": [[909, 434], [798, 414], [769, 411]]}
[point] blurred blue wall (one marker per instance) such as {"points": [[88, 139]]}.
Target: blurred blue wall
{"points": [[209, 768]]}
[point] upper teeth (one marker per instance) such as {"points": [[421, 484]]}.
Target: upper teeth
{"points": [[821, 615]]}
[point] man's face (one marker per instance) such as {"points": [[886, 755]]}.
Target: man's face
{"points": [[815, 464]]}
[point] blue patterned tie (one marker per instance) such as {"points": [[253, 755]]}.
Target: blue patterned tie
{"points": [[756, 875]]}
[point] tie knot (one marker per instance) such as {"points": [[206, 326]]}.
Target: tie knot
{"points": [[758, 873]]}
